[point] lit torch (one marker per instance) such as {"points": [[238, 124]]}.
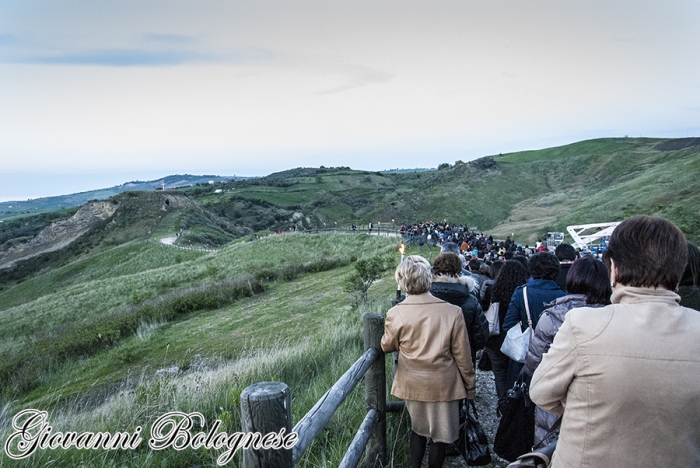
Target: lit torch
{"points": [[402, 249]]}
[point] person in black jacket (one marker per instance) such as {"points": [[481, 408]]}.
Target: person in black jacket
{"points": [[566, 255], [450, 286], [688, 288]]}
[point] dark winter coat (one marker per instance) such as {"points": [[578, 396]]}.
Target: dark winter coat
{"points": [[540, 292], [561, 277], [458, 291], [690, 296]]}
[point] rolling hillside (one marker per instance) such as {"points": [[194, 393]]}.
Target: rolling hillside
{"points": [[106, 327], [524, 194], [19, 209], [527, 193]]}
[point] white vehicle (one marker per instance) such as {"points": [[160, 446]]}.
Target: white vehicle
{"points": [[600, 231], [553, 239]]}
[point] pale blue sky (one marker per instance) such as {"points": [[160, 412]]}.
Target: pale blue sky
{"points": [[94, 91]]}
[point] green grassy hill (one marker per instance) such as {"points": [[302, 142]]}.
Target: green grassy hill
{"points": [[117, 328], [66, 346], [528, 193], [24, 208]]}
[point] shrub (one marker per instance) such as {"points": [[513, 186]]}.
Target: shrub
{"points": [[366, 272]]}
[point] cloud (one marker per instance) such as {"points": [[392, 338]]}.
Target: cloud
{"points": [[121, 58], [169, 38], [141, 57], [7, 39], [357, 77]]}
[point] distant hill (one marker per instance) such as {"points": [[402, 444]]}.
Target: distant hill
{"points": [[100, 225], [527, 193], [524, 194], [14, 209]]}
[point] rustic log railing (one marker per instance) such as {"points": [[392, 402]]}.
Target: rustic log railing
{"points": [[265, 407]]}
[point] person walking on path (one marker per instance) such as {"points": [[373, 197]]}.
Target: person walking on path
{"points": [[541, 290], [625, 376], [588, 284], [434, 370]]}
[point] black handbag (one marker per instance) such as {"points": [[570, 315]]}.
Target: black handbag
{"points": [[516, 431], [483, 362], [473, 444]]}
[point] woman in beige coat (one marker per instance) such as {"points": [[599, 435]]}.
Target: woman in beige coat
{"points": [[627, 376], [434, 370]]}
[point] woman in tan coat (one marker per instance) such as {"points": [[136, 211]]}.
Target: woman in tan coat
{"points": [[434, 370], [627, 376]]}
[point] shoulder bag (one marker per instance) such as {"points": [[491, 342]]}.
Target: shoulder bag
{"points": [[516, 430], [517, 342], [473, 444], [493, 319]]}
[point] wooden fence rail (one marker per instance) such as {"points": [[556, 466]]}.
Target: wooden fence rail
{"points": [[266, 407]]}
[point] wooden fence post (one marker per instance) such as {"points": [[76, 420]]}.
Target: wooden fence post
{"points": [[375, 390], [266, 407]]}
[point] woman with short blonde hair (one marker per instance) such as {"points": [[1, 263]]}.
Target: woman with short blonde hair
{"points": [[413, 275], [434, 370]]}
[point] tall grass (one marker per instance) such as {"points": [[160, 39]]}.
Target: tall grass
{"points": [[309, 367], [85, 291], [302, 330]]}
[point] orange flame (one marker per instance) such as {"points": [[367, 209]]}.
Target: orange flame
{"points": [[402, 249]]}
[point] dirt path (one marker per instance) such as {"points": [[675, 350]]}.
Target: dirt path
{"points": [[168, 240]]}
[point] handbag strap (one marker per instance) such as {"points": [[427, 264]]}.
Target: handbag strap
{"points": [[472, 405], [527, 308], [555, 427]]}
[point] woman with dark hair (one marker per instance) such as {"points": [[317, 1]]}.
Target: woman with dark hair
{"points": [[588, 284], [625, 376], [541, 290], [451, 286], [512, 275], [485, 290], [688, 289], [434, 370]]}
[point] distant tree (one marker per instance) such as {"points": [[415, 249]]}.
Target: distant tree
{"points": [[443, 166]]}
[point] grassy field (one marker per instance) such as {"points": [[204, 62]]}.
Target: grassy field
{"points": [[305, 332]]}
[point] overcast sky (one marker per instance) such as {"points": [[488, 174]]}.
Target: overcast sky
{"points": [[96, 93]]}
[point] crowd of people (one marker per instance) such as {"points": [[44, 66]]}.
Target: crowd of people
{"points": [[613, 363]]}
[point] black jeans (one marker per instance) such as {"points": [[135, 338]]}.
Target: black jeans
{"points": [[500, 363]]}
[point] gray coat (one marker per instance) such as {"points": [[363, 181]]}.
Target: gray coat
{"points": [[548, 326]]}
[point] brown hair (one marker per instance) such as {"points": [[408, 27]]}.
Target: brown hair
{"points": [[648, 252], [447, 263]]}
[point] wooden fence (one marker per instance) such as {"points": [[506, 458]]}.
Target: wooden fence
{"points": [[265, 408]]}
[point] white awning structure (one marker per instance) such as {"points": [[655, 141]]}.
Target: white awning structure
{"points": [[581, 239]]}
